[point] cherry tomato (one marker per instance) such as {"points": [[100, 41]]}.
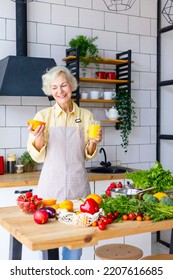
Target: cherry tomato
{"points": [[110, 215], [109, 220], [116, 214], [139, 218], [137, 214], [147, 218], [94, 224], [131, 216], [124, 217], [104, 219], [102, 226]]}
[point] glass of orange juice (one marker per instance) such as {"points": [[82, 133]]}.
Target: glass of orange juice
{"points": [[93, 128]]}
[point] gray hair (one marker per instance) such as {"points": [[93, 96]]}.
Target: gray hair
{"points": [[52, 73]]}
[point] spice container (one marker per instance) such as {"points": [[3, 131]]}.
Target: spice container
{"points": [[19, 168], [11, 162]]}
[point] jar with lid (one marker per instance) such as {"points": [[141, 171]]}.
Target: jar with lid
{"points": [[19, 168], [11, 162]]}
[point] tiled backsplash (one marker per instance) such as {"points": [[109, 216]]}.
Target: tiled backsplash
{"points": [[51, 24]]}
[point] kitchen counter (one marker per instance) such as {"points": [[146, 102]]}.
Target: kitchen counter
{"points": [[55, 234], [31, 178]]}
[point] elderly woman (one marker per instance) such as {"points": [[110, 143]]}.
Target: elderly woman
{"points": [[63, 143]]}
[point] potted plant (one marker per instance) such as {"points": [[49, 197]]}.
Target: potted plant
{"points": [[87, 50], [29, 164], [126, 114]]}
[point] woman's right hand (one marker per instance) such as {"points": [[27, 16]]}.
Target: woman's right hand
{"points": [[39, 134]]}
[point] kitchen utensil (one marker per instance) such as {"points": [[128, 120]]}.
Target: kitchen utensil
{"points": [[128, 192]]}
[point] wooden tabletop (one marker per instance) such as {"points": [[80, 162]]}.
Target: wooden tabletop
{"points": [[31, 178], [55, 234]]}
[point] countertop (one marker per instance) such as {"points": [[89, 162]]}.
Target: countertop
{"points": [[56, 234], [31, 178]]}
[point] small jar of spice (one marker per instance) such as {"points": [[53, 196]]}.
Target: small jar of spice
{"points": [[11, 162], [19, 168]]}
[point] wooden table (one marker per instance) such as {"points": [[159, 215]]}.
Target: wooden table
{"points": [[52, 235]]}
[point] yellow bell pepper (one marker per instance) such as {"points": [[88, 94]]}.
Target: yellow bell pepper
{"points": [[96, 197], [159, 195], [66, 204]]}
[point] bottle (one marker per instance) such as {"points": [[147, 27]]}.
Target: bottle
{"points": [[1, 165], [11, 162]]}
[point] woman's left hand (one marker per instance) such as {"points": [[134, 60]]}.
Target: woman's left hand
{"points": [[92, 142]]}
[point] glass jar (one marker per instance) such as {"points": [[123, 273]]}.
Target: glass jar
{"points": [[19, 168], [11, 162]]}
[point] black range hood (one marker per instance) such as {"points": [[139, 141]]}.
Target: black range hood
{"points": [[20, 75]]}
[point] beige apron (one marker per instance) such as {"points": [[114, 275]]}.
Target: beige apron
{"points": [[63, 174]]}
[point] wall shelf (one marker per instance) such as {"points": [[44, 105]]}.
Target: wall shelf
{"points": [[110, 121], [97, 101], [100, 60], [123, 72], [103, 81]]}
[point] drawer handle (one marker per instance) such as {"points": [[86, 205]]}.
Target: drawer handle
{"points": [[24, 191]]}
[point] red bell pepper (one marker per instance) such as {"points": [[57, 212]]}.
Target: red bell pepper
{"points": [[89, 206]]}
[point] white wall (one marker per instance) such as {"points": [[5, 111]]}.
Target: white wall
{"points": [[51, 24]]}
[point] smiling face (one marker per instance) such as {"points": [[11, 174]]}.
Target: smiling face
{"points": [[61, 90]]}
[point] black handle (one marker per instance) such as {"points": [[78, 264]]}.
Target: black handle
{"points": [[24, 191]]}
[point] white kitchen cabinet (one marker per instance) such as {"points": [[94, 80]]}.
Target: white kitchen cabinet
{"points": [[8, 198]]}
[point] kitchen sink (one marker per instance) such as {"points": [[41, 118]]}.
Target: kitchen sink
{"points": [[109, 169]]}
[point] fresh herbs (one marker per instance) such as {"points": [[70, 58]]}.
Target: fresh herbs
{"points": [[127, 115], [158, 211], [155, 176], [87, 50], [124, 205]]}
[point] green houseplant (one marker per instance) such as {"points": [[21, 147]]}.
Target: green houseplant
{"points": [[87, 50], [29, 164], [127, 115]]}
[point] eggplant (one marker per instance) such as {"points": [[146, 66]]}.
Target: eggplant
{"points": [[51, 211]]}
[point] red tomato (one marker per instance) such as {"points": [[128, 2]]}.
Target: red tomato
{"points": [[102, 226], [109, 220], [104, 219], [110, 215], [131, 216], [116, 214]]}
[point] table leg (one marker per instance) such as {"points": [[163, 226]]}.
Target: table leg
{"points": [[171, 243], [15, 252], [52, 254]]}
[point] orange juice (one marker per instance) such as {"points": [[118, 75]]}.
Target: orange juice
{"points": [[93, 130]]}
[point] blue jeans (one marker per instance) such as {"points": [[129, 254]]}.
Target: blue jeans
{"points": [[68, 254]]}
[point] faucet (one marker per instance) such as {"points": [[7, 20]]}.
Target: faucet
{"points": [[104, 163]]}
